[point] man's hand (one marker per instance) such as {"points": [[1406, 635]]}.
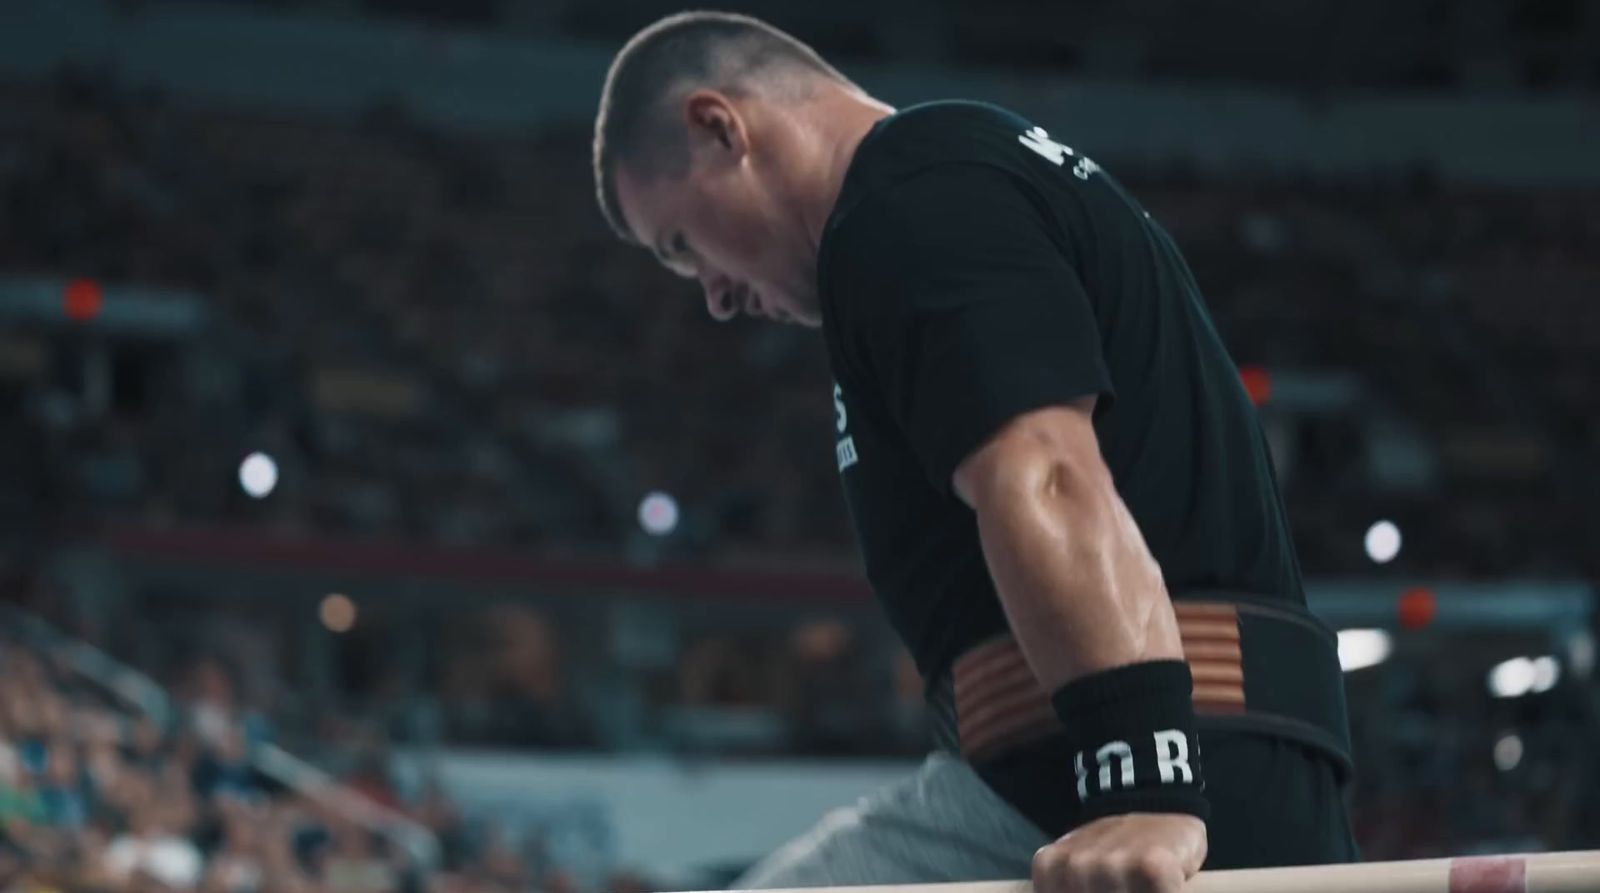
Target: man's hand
{"points": [[1134, 853]]}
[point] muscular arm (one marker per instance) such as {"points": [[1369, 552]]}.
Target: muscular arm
{"points": [[986, 346], [976, 318], [1078, 584]]}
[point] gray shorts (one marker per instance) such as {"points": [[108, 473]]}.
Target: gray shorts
{"points": [[1273, 802], [941, 824]]}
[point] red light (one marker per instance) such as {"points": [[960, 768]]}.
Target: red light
{"points": [[1257, 383], [82, 300], [1417, 607]]}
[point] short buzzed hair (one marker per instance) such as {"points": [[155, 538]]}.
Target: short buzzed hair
{"points": [[638, 121]]}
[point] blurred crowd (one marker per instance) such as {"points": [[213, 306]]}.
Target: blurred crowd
{"points": [[1443, 768], [98, 799], [514, 675], [1464, 314], [445, 345], [437, 340]]}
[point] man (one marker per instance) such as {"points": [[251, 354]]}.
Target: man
{"points": [[1062, 495]]}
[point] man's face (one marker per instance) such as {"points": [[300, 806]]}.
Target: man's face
{"points": [[724, 222]]}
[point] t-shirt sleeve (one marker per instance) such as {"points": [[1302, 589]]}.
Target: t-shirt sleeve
{"points": [[966, 310]]}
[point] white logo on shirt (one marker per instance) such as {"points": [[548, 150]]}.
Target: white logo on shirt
{"points": [[844, 449], [1039, 141], [1056, 153]]}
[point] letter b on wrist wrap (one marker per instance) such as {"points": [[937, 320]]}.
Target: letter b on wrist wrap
{"points": [[1131, 731]]}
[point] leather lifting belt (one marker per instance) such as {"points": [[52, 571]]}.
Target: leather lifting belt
{"points": [[1258, 665]]}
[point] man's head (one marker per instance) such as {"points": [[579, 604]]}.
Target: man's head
{"points": [[712, 148]]}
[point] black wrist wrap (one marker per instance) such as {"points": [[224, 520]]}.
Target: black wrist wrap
{"points": [[1131, 732]]}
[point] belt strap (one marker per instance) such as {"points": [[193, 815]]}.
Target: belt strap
{"points": [[1258, 665]]}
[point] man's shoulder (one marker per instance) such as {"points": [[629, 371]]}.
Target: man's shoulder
{"points": [[938, 133], [914, 152], [952, 118], [920, 182]]}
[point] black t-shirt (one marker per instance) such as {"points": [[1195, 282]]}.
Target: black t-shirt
{"points": [[974, 269]]}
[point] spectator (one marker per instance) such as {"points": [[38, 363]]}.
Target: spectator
{"points": [[371, 779], [62, 789], [355, 862], [150, 851], [145, 748], [440, 815], [224, 768], [210, 701], [502, 867], [20, 801], [237, 866], [281, 869]]}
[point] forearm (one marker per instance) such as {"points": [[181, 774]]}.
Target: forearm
{"points": [[1078, 584]]}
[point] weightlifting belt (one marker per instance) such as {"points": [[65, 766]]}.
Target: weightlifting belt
{"points": [[1259, 665]]}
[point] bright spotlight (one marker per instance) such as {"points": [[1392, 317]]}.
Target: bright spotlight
{"points": [[1581, 653], [1513, 678], [1507, 752], [258, 475], [658, 513], [1383, 542], [337, 612], [1546, 673], [1362, 648]]}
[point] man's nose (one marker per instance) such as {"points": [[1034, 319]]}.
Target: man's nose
{"points": [[720, 301]]}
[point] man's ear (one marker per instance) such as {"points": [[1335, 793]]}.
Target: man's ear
{"points": [[715, 123]]}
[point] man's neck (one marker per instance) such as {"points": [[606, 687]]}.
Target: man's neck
{"points": [[843, 119]]}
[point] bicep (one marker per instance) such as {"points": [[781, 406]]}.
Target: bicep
{"points": [[1053, 447]]}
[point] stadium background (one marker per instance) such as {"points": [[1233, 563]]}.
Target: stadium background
{"points": [[332, 416]]}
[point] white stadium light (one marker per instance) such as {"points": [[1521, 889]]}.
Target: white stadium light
{"points": [[1523, 676], [1581, 653], [1362, 648], [1383, 542], [1507, 752], [1546, 673], [258, 475], [658, 513], [337, 612]]}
